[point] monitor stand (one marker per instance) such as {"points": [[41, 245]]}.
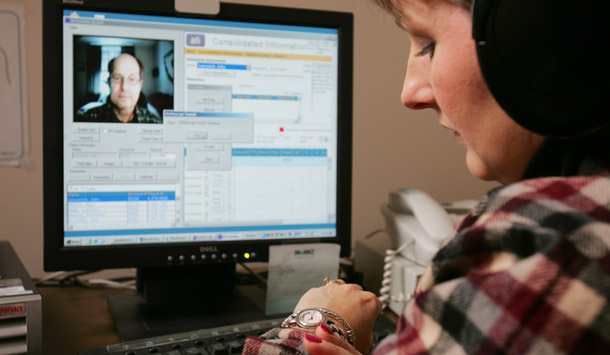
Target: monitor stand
{"points": [[185, 298]]}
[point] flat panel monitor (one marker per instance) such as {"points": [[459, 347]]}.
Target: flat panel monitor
{"points": [[181, 144]]}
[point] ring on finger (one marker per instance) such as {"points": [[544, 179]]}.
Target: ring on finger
{"points": [[328, 281]]}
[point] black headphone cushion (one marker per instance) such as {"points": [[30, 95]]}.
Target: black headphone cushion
{"points": [[546, 61]]}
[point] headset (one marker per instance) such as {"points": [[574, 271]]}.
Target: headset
{"points": [[546, 62]]}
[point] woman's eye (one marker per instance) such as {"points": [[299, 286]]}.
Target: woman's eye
{"points": [[426, 49]]}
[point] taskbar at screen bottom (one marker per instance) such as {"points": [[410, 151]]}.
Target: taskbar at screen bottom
{"points": [[99, 240]]}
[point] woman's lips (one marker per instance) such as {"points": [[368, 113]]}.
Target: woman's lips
{"points": [[456, 134], [457, 137]]}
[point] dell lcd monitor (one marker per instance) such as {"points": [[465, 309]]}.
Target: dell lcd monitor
{"points": [[181, 144]]}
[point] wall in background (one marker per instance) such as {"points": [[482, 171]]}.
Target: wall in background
{"points": [[393, 146]]}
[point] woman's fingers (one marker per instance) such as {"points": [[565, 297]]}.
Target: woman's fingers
{"points": [[325, 333], [326, 345], [425, 281]]}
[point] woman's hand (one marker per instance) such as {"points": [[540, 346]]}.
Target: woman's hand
{"points": [[359, 309]]}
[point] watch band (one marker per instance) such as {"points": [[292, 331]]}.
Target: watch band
{"points": [[330, 318]]}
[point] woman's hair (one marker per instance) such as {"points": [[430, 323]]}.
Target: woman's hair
{"points": [[390, 5]]}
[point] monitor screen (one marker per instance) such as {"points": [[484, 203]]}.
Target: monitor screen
{"points": [[183, 134], [175, 139]]}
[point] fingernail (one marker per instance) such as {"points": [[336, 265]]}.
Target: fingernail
{"points": [[312, 337], [325, 328]]}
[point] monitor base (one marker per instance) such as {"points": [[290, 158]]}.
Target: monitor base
{"points": [[185, 298], [135, 319]]}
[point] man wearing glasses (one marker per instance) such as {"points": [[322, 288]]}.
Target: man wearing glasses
{"points": [[126, 103]]}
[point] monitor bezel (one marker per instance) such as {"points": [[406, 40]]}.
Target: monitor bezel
{"points": [[59, 257]]}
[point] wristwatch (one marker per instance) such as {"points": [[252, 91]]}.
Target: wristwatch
{"points": [[310, 317]]}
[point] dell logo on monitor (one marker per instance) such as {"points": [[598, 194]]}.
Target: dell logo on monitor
{"points": [[74, 2], [208, 249]]}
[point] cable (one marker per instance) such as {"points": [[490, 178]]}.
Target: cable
{"points": [[61, 278], [386, 284], [129, 285], [260, 279], [374, 232], [71, 278], [52, 276]]}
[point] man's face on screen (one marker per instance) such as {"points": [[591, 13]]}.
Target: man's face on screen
{"points": [[125, 83]]}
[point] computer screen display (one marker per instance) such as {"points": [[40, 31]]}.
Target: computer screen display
{"points": [[176, 139]]}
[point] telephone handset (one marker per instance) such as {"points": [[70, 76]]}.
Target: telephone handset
{"points": [[413, 217], [416, 225]]}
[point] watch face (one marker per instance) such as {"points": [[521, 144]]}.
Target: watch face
{"points": [[310, 318]]}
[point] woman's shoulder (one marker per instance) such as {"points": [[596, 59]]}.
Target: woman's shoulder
{"points": [[535, 217], [540, 198]]}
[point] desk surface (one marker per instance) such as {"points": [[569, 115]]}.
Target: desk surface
{"points": [[76, 318]]}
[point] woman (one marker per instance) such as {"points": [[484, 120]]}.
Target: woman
{"points": [[528, 271]]}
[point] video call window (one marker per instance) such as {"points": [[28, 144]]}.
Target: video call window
{"points": [[122, 79]]}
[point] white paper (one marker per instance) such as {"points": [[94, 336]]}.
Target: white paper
{"points": [[14, 291], [294, 269], [13, 94], [12, 287]]}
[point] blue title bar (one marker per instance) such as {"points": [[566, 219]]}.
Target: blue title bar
{"points": [[121, 196], [172, 113], [270, 152], [265, 97], [222, 66]]}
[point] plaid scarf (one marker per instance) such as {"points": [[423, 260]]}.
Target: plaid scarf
{"points": [[529, 273], [277, 341]]}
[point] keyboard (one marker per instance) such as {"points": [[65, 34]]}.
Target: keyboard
{"points": [[226, 340]]}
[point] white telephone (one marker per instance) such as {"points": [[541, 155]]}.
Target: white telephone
{"points": [[417, 225]]}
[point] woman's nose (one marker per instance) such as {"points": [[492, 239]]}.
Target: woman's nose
{"points": [[417, 92]]}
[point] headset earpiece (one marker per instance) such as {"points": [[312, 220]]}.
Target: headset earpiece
{"points": [[546, 61]]}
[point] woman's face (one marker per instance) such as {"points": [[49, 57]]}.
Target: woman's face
{"points": [[443, 74]]}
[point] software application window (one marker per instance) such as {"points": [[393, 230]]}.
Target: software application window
{"points": [[233, 135]]}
